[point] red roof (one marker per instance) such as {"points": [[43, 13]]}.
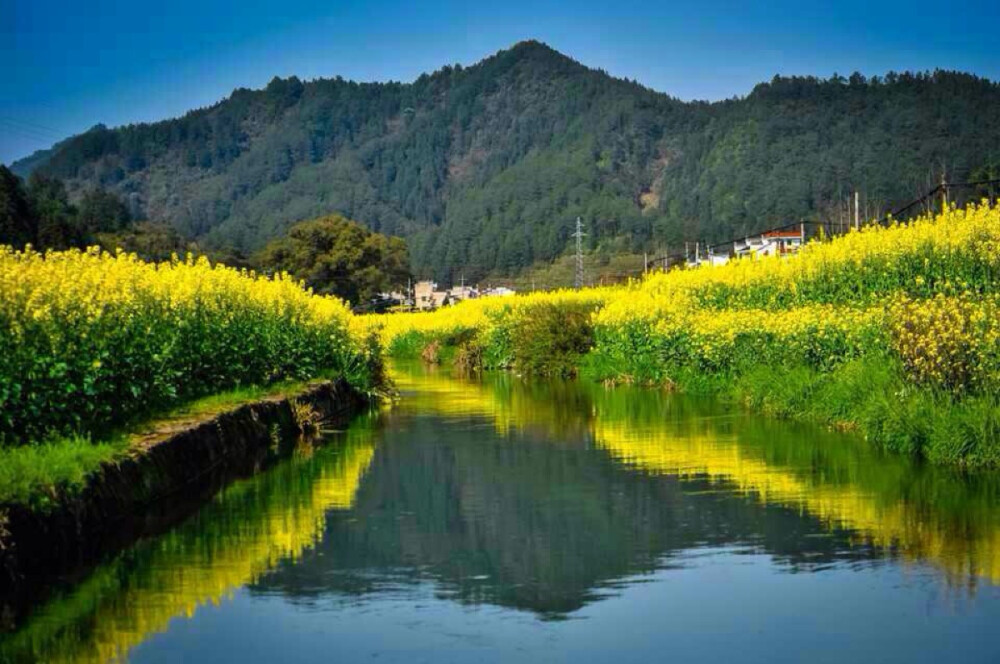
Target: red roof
{"points": [[793, 235]]}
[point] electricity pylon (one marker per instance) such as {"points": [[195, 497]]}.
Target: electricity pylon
{"points": [[579, 253]]}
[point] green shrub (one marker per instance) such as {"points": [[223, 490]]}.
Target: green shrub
{"points": [[549, 339]]}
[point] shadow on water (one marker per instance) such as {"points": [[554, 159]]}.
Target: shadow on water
{"points": [[536, 496]]}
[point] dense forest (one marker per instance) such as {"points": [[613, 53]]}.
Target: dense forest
{"points": [[484, 169], [40, 213]]}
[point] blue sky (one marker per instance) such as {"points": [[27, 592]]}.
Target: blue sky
{"points": [[70, 64]]}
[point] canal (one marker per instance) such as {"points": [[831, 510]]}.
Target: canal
{"points": [[496, 519]]}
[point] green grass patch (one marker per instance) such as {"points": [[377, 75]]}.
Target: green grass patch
{"points": [[35, 475], [408, 346], [872, 396], [220, 403]]}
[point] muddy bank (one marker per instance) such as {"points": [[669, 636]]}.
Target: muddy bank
{"points": [[174, 469]]}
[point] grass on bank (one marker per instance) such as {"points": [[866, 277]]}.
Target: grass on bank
{"points": [[873, 398], [36, 475]]}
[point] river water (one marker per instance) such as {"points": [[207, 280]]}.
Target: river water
{"points": [[502, 520]]}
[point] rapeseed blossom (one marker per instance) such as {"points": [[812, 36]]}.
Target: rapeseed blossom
{"points": [[89, 338], [925, 291]]}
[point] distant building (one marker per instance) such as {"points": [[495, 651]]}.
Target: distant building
{"points": [[771, 243], [423, 294], [399, 297], [710, 257], [459, 293], [427, 296], [382, 303], [439, 299], [716, 259], [499, 291]]}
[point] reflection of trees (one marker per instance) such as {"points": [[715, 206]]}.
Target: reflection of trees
{"points": [[537, 520], [525, 523], [928, 514]]}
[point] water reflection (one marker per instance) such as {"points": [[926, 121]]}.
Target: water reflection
{"points": [[241, 534], [925, 513], [544, 497]]}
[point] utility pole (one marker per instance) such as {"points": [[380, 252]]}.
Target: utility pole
{"points": [[857, 211], [645, 262], [579, 253], [944, 194]]}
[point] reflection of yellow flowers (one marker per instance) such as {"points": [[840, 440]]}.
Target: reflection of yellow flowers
{"points": [[876, 506], [184, 572], [832, 497]]}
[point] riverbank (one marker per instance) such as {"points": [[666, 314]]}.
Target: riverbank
{"points": [[91, 341], [166, 469], [123, 382], [892, 331]]}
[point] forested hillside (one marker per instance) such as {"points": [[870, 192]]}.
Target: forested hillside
{"points": [[484, 169]]}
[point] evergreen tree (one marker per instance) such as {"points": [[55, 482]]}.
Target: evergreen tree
{"points": [[100, 211], [17, 225], [57, 225]]}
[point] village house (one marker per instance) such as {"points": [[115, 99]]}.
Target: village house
{"points": [[498, 291], [459, 293], [771, 243], [427, 296]]}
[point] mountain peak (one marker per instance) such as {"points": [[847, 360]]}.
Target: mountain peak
{"points": [[487, 167], [529, 45], [535, 50]]}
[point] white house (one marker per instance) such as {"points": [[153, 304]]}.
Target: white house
{"points": [[459, 293], [499, 291], [771, 243]]}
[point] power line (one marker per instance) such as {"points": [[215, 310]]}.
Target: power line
{"points": [[25, 133], [26, 128], [34, 126]]}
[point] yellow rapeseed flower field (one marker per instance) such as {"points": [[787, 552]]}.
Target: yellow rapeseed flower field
{"points": [[89, 339], [905, 289]]}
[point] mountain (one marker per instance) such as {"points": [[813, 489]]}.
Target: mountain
{"points": [[25, 167], [484, 169]]}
